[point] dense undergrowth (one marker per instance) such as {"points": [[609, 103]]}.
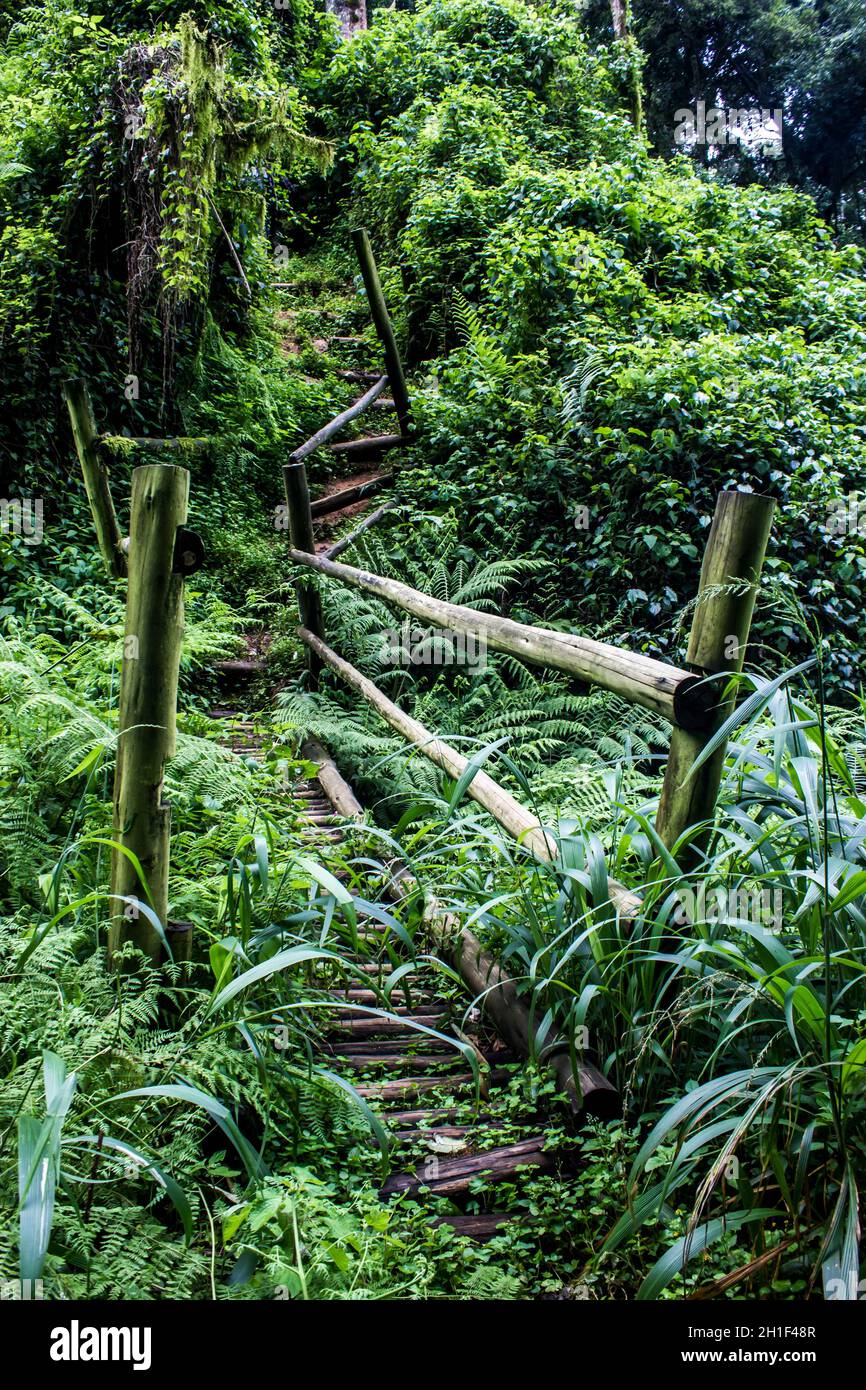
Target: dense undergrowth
{"points": [[599, 341]]}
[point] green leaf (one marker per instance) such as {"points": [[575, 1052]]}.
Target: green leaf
{"points": [[675, 1260], [283, 960]]}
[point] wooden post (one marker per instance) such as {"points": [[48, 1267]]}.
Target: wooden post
{"points": [[382, 320], [95, 476], [148, 701], [302, 538], [735, 551]]}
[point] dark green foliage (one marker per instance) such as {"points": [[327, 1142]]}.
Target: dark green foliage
{"points": [[617, 338], [599, 340]]}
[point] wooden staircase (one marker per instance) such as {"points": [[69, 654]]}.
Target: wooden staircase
{"points": [[443, 1129]]}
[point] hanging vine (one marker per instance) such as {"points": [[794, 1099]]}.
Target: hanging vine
{"points": [[194, 139]]}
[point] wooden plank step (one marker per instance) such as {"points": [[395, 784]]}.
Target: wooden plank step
{"points": [[417, 1085], [357, 374], [394, 1047], [348, 1021], [414, 1086], [417, 1134], [348, 1026], [370, 445], [356, 994], [347, 496], [367, 1027], [413, 1062], [407, 1117], [240, 667], [476, 1225], [455, 1174]]}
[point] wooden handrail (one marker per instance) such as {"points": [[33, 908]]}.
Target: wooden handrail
{"points": [[679, 695], [117, 445], [339, 422], [583, 1084], [382, 321], [500, 804], [345, 541]]}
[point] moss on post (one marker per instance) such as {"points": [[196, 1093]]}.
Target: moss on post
{"points": [[148, 704]]}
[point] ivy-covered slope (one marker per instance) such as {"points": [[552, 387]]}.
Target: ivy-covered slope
{"points": [[610, 338]]}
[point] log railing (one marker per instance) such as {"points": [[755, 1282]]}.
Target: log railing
{"points": [[160, 551], [584, 1086], [680, 695], [694, 699], [301, 511]]}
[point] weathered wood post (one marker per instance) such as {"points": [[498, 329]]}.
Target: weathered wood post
{"points": [[384, 328], [157, 561], [734, 552], [95, 476], [300, 519]]}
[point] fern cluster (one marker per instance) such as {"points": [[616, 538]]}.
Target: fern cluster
{"points": [[561, 738]]}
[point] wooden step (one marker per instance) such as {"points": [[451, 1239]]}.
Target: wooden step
{"points": [[357, 995], [414, 1086], [408, 1117], [471, 1133], [367, 1027], [385, 1091], [454, 1175], [412, 1062], [394, 1047], [368, 447], [238, 669], [348, 496], [476, 1225], [357, 374]]}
